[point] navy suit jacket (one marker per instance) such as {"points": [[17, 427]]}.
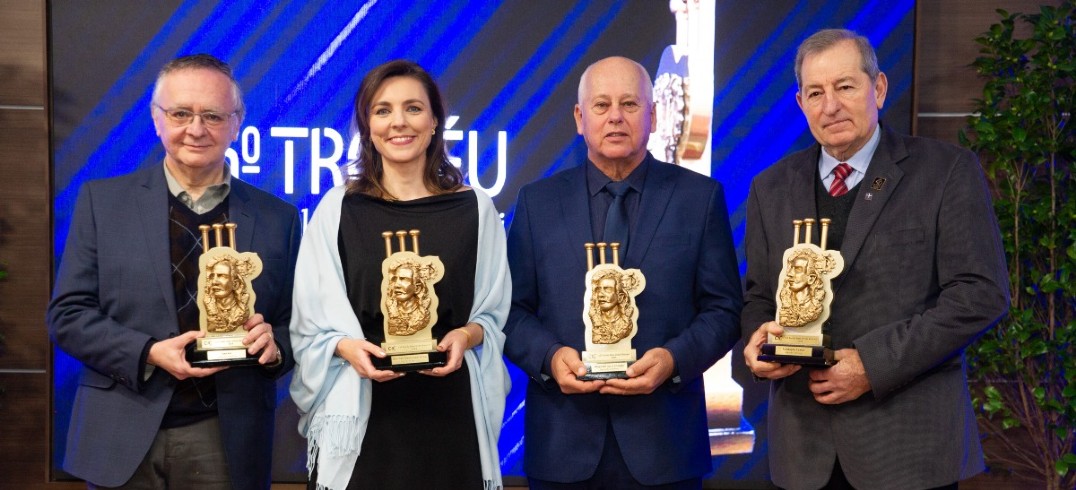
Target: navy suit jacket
{"points": [[924, 275], [691, 306], [114, 293]]}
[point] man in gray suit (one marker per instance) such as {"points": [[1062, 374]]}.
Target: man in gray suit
{"points": [[924, 276], [125, 304]]}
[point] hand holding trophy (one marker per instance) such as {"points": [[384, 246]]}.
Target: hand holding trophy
{"points": [[803, 300]]}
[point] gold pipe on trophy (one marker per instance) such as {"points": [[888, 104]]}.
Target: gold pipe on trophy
{"points": [[400, 235], [601, 252], [217, 229], [414, 240], [231, 233], [205, 237], [616, 253], [807, 223], [825, 231], [796, 231], [387, 235], [590, 255]]}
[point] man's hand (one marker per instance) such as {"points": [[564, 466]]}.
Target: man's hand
{"points": [[358, 352], [171, 355], [565, 366], [763, 369], [645, 375], [260, 338], [842, 382]]}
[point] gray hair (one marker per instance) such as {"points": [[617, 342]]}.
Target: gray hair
{"points": [[827, 38], [201, 61]]}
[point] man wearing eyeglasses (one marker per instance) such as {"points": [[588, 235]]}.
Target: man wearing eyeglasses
{"points": [[125, 306]]}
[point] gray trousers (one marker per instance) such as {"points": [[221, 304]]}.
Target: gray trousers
{"points": [[185, 457]]}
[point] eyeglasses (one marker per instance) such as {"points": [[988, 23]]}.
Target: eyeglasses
{"points": [[183, 117]]}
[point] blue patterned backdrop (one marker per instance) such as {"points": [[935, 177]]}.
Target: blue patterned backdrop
{"points": [[509, 71]]}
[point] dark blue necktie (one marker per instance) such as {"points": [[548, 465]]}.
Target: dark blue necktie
{"points": [[616, 221]]}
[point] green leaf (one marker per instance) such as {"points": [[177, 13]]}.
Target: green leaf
{"points": [[1019, 135]]}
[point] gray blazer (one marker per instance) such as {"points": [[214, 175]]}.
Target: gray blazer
{"points": [[924, 276], [114, 292]]}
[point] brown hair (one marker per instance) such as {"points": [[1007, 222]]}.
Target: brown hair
{"points": [[440, 176]]}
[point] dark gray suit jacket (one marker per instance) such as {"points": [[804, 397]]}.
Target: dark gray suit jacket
{"points": [[114, 292], [924, 276]]}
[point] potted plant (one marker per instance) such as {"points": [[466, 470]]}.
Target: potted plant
{"points": [[1024, 371]]}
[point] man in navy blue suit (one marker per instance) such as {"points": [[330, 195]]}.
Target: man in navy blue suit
{"points": [[125, 305], [648, 430]]}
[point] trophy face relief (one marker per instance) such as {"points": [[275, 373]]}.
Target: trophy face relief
{"points": [[227, 294], [803, 291], [611, 309], [410, 304]]}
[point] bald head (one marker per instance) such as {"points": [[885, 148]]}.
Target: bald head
{"points": [[617, 64], [615, 114]]}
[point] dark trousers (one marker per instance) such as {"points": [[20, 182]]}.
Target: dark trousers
{"points": [[612, 474], [191, 456], [837, 481]]}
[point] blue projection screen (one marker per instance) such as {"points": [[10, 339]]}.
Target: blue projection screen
{"points": [[509, 71]]}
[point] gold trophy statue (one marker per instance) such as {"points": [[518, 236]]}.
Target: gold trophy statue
{"points": [[225, 300], [409, 304], [610, 314], [803, 300]]}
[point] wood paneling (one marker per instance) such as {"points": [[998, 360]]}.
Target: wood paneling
{"points": [[25, 241], [941, 128], [946, 32], [22, 59]]}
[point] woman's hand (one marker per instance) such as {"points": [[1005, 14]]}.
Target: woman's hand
{"points": [[358, 352], [456, 342]]}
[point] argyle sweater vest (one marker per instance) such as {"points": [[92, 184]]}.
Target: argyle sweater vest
{"points": [[194, 399]]}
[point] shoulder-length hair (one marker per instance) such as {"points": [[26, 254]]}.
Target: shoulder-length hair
{"points": [[440, 176]]}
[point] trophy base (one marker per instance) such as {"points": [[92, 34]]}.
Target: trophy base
{"points": [[403, 363], [607, 365], [804, 355], [220, 357], [594, 374]]}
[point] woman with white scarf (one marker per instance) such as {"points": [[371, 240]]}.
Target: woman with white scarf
{"points": [[379, 428]]}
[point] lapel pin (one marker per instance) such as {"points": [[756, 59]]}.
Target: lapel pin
{"points": [[878, 183], [868, 196]]}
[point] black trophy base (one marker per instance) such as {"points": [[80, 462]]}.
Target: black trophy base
{"points": [[403, 363], [603, 375], [220, 358], [804, 355]]}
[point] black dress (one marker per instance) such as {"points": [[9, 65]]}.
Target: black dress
{"points": [[421, 432]]}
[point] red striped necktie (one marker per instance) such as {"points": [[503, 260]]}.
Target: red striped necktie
{"points": [[837, 188]]}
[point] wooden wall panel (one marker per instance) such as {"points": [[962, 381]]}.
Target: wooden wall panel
{"points": [[945, 82], [22, 59], [25, 248], [25, 240]]}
